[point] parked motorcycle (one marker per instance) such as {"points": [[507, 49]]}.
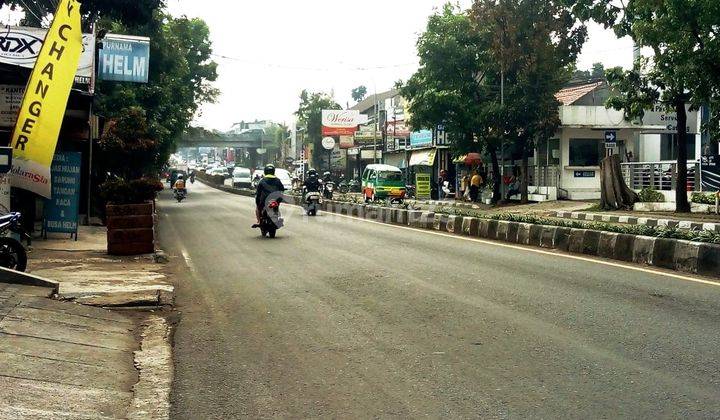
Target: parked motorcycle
{"points": [[410, 191], [344, 187], [328, 189], [312, 203], [180, 195], [270, 219], [12, 252]]}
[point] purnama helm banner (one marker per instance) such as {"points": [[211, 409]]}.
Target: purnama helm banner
{"points": [[43, 105]]}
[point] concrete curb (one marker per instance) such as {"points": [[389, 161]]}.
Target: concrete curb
{"points": [[631, 220], [674, 254], [26, 279]]}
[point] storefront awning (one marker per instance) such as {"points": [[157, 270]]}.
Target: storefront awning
{"points": [[423, 157], [469, 159], [396, 159]]}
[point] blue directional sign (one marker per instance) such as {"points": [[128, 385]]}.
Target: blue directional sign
{"points": [[61, 210], [611, 137], [124, 58]]}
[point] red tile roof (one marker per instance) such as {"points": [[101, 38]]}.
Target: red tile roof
{"points": [[568, 95]]}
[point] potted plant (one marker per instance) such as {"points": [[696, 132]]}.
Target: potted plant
{"points": [[129, 211]]}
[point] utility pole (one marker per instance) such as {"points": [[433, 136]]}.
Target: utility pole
{"points": [[375, 128]]}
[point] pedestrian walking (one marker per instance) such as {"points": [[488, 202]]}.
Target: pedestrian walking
{"points": [[475, 183], [441, 184]]}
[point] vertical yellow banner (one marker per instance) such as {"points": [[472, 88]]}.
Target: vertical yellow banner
{"points": [[43, 106]]}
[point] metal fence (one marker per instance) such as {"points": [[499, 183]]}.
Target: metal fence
{"points": [[660, 176]]}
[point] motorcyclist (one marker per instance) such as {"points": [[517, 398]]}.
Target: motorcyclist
{"points": [[327, 177], [312, 183], [179, 184], [268, 187]]}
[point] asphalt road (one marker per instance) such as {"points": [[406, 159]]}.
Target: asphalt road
{"points": [[339, 317]]}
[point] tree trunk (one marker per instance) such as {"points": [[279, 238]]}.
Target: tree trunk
{"points": [[524, 178], [681, 199], [614, 193], [496, 173]]}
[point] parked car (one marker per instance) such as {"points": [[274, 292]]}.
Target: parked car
{"points": [[241, 178]]}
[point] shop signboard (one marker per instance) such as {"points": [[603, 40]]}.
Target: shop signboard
{"points": [[710, 173], [423, 187], [124, 58], [346, 142], [397, 129], [61, 210], [659, 116], [10, 100], [343, 122], [368, 154], [20, 46], [421, 138]]}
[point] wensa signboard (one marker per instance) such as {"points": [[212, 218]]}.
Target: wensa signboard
{"points": [[341, 122]]}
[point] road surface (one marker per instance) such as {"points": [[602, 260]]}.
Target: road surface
{"points": [[339, 317]]}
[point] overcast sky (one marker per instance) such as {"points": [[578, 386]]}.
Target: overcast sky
{"points": [[269, 50], [275, 48]]}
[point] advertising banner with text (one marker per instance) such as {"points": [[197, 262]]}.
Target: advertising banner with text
{"points": [[341, 122], [43, 106], [20, 46], [124, 58]]}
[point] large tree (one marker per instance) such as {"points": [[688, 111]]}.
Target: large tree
{"points": [[309, 116], [684, 67], [179, 81], [535, 43], [465, 57], [457, 84]]}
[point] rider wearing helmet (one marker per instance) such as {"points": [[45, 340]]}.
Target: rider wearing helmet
{"points": [[327, 177], [269, 187], [312, 183], [179, 183]]}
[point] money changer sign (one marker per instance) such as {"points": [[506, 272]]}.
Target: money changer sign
{"points": [[43, 105]]}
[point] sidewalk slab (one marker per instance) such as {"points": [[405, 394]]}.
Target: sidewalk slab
{"points": [[61, 359]]}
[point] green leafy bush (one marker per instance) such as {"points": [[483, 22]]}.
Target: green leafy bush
{"points": [[136, 191], [703, 198], [649, 195]]}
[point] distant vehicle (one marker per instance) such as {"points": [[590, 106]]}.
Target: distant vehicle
{"points": [[257, 175], [219, 172], [174, 172], [284, 176], [241, 178], [383, 182]]}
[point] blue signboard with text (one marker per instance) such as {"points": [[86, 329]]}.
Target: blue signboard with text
{"points": [[421, 138], [61, 210], [124, 58]]}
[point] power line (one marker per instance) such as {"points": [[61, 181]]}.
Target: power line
{"points": [[320, 69]]}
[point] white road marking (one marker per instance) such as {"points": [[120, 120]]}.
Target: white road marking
{"points": [[540, 251], [535, 250]]}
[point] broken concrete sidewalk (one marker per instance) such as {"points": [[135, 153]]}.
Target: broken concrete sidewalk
{"points": [[87, 275], [65, 360]]}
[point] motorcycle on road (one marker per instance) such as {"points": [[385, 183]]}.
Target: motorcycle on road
{"points": [[270, 219], [312, 203], [328, 189], [180, 195]]}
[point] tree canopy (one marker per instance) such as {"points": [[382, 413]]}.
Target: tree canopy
{"points": [[684, 67], [529, 46], [358, 94]]}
